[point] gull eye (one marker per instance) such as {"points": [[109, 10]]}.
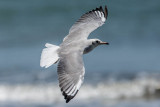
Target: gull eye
{"points": [[97, 41]]}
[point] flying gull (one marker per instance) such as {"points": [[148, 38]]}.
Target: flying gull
{"points": [[70, 52]]}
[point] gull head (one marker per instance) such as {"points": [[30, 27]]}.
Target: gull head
{"points": [[97, 42], [92, 44]]}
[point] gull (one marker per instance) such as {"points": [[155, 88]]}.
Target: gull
{"points": [[70, 52]]}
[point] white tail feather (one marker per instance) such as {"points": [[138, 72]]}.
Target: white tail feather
{"points": [[49, 55]]}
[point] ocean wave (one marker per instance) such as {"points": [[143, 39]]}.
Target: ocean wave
{"points": [[108, 90]]}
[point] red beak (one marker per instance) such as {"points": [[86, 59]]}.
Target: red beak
{"points": [[106, 43]]}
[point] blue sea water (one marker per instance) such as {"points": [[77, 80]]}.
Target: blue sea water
{"points": [[126, 72]]}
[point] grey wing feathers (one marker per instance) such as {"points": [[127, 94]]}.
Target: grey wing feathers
{"points": [[70, 75], [88, 23]]}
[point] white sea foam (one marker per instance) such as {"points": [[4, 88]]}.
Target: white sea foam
{"points": [[50, 93]]}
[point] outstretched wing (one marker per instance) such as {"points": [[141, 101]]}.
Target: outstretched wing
{"points": [[70, 74], [87, 23]]}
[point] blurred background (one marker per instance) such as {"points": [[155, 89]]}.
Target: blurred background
{"points": [[124, 74]]}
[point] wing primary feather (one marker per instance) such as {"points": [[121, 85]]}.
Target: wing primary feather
{"points": [[76, 93], [69, 97], [100, 8], [97, 9], [106, 12], [65, 85], [69, 88], [71, 91]]}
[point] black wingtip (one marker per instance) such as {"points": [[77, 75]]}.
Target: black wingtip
{"points": [[106, 11], [69, 97]]}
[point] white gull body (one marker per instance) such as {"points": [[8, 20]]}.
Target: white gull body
{"points": [[70, 53]]}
